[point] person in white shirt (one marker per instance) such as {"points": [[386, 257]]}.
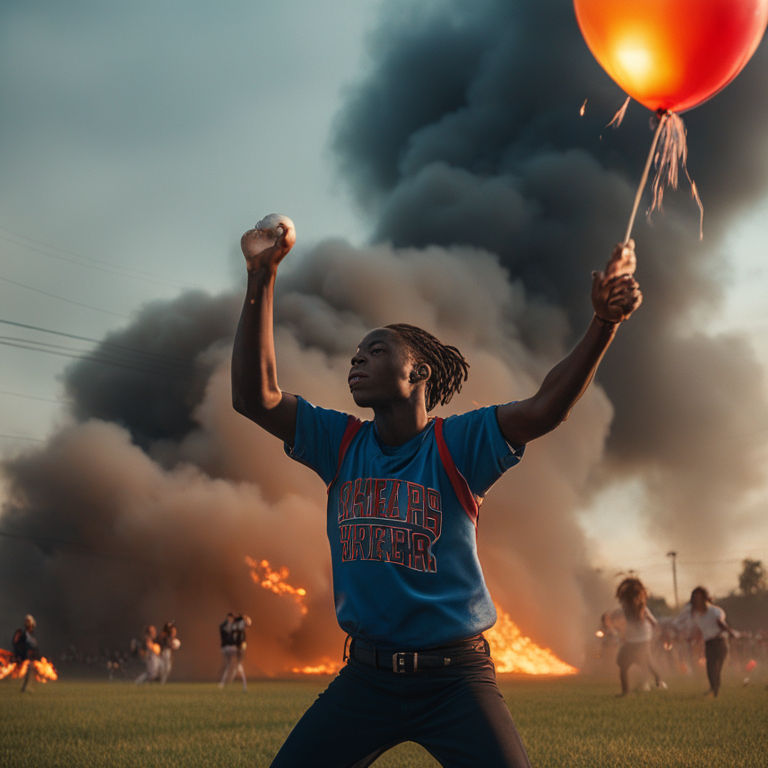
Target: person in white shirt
{"points": [[638, 625], [709, 619], [149, 650]]}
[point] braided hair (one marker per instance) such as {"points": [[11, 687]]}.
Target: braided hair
{"points": [[449, 368]]}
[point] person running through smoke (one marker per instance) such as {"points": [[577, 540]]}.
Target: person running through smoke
{"points": [[168, 643], [233, 645], [638, 627], [149, 650], [403, 496], [25, 649], [709, 619]]}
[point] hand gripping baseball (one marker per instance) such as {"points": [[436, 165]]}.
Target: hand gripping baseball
{"points": [[268, 243]]}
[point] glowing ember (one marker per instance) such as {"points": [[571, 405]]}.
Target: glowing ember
{"points": [[583, 108], [512, 652], [325, 667], [44, 670], [276, 581]]}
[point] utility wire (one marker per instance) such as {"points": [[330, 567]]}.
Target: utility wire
{"points": [[61, 298], [95, 359], [102, 343], [22, 437], [96, 264], [34, 397]]}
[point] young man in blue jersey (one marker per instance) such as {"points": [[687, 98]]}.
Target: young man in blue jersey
{"points": [[403, 498]]}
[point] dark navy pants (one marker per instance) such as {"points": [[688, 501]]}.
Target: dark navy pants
{"points": [[456, 713]]}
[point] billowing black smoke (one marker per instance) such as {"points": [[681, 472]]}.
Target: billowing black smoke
{"points": [[498, 157]]}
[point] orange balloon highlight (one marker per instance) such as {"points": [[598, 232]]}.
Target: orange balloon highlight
{"points": [[672, 54]]}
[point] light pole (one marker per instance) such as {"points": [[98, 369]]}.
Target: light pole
{"points": [[673, 555]]}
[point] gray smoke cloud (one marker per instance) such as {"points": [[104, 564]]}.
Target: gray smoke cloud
{"points": [[491, 201], [498, 157]]}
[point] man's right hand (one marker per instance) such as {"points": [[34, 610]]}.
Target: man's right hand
{"points": [[266, 248]]}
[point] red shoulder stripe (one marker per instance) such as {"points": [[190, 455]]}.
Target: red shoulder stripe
{"points": [[459, 483], [353, 425]]}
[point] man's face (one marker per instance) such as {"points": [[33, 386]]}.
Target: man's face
{"points": [[380, 370]]}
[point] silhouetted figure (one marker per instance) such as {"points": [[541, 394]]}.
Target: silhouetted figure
{"points": [[638, 626], [168, 643], [25, 649], [709, 619], [233, 645]]}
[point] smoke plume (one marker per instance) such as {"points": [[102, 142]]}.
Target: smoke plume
{"points": [[491, 200]]}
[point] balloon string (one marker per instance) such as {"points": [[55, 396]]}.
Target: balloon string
{"points": [[662, 120]]}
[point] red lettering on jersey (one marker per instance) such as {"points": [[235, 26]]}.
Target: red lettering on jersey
{"points": [[346, 551], [345, 501], [393, 507], [379, 500], [433, 519], [378, 540], [359, 535], [415, 514], [421, 558], [398, 540], [359, 499]]}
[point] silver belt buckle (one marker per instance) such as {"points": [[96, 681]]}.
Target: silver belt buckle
{"points": [[398, 661]]}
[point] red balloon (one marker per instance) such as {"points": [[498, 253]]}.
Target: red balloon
{"points": [[672, 54]]}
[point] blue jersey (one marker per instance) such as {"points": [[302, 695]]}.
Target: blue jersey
{"points": [[402, 523]]}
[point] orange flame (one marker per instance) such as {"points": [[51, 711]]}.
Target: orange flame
{"points": [[512, 652], [276, 581], [325, 667], [44, 670]]}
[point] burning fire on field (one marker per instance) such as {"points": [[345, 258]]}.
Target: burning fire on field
{"points": [[325, 667], [9, 667], [512, 652], [276, 581]]}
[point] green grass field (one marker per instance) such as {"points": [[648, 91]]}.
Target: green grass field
{"points": [[563, 722]]}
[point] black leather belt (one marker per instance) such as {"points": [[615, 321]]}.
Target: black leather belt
{"points": [[409, 662]]}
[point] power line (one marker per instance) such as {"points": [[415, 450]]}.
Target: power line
{"points": [[34, 397], [61, 298], [23, 437], [93, 358], [108, 353], [100, 342], [96, 264]]}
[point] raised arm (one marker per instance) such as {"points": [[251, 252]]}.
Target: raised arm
{"points": [[255, 391], [615, 296]]}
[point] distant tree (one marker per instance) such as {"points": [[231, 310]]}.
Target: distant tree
{"points": [[752, 579]]}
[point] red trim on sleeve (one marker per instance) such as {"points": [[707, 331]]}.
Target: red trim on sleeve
{"points": [[353, 425], [459, 483]]}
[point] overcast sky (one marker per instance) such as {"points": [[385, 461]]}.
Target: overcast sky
{"points": [[138, 140]]}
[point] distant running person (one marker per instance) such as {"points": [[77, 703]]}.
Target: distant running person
{"points": [[169, 643], [403, 498], [25, 649], [233, 645], [709, 619], [638, 627], [149, 650]]}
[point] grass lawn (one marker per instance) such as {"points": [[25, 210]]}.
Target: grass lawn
{"points": [[564, 722]]}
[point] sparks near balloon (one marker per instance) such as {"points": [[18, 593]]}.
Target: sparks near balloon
{"points": [[671, 56]]}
